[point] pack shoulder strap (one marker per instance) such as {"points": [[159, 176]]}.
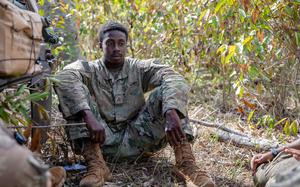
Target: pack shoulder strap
{"points": [[88, 80], [86, 66]]}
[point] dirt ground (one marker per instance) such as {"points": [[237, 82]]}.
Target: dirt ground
{"points": [[225, 162]]}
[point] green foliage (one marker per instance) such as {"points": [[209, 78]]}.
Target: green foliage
{"points": [[243, 44], [250, 116], [247, 49], [268, 121], [64, 26], [15, 104], [214, 138], [291, 128]]}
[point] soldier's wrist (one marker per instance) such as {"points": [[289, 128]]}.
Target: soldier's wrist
{"points": [[85, 113], [275, 152], [170, 111]]}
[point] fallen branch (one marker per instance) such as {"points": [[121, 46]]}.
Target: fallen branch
{"points": [[226, 134], [261, 143], [218, 126]]}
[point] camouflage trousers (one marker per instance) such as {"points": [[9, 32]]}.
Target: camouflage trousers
{"points": [[282, 171], [142, 134]]}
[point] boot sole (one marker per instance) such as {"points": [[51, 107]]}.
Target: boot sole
{"points": [[180, 176], [108, 176], [183, 178]]}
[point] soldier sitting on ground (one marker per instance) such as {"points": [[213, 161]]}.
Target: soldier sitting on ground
{"points": [[108, 95], [279, 167]]}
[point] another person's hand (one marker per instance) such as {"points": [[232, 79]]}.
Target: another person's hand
{"points": [[97, 131], [259, 159], [173, 130], [294, 152]]}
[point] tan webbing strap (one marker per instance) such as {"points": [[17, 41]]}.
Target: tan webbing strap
{"points": [[32, 5]]}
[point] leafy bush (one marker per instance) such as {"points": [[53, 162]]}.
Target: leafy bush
{"points": [[247, 49]]}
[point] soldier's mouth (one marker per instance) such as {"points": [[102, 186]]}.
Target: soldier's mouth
{"points": [[117, 56]]}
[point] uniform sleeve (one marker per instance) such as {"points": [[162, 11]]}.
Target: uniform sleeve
{"points": [[174, 87], [72, 92]]}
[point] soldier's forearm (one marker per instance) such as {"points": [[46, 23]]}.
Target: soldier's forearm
{"points": [[295, 144]]}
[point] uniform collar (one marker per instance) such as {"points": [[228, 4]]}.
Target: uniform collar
{"points": [[122, 74]]}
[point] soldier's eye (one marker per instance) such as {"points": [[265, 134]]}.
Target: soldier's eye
{"points": [[121, 44], [109, 43]]}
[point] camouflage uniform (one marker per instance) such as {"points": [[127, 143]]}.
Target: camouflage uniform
{"points": [[18, 168], [132, 124], [282, 171]]}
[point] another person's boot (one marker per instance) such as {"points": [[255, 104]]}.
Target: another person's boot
{"points": [[58, 176], [187, 169], [97, 171]]}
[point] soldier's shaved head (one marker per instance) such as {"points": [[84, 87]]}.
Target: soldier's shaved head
{"points": [[110, 26]]}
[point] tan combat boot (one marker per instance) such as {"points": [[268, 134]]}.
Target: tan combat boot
{"points": [[58, 176], [97, 171], [186, 168]]}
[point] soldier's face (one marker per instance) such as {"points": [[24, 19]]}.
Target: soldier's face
{"points": [[114, 47]]}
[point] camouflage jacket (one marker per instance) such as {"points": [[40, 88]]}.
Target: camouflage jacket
{"points": [[119, 98]]}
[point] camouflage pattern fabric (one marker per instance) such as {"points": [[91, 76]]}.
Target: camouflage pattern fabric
{"points": [[18, 167], [132, 124], [289, 178], [283, 171]]}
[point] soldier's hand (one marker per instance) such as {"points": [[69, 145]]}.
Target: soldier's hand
{"points": [[97, 131], [173, 130], [292, 151], [259, 159]]}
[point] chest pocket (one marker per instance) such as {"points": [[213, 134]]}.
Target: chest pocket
{"points": [[133, 89], [135, 95], [103, 83]]}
